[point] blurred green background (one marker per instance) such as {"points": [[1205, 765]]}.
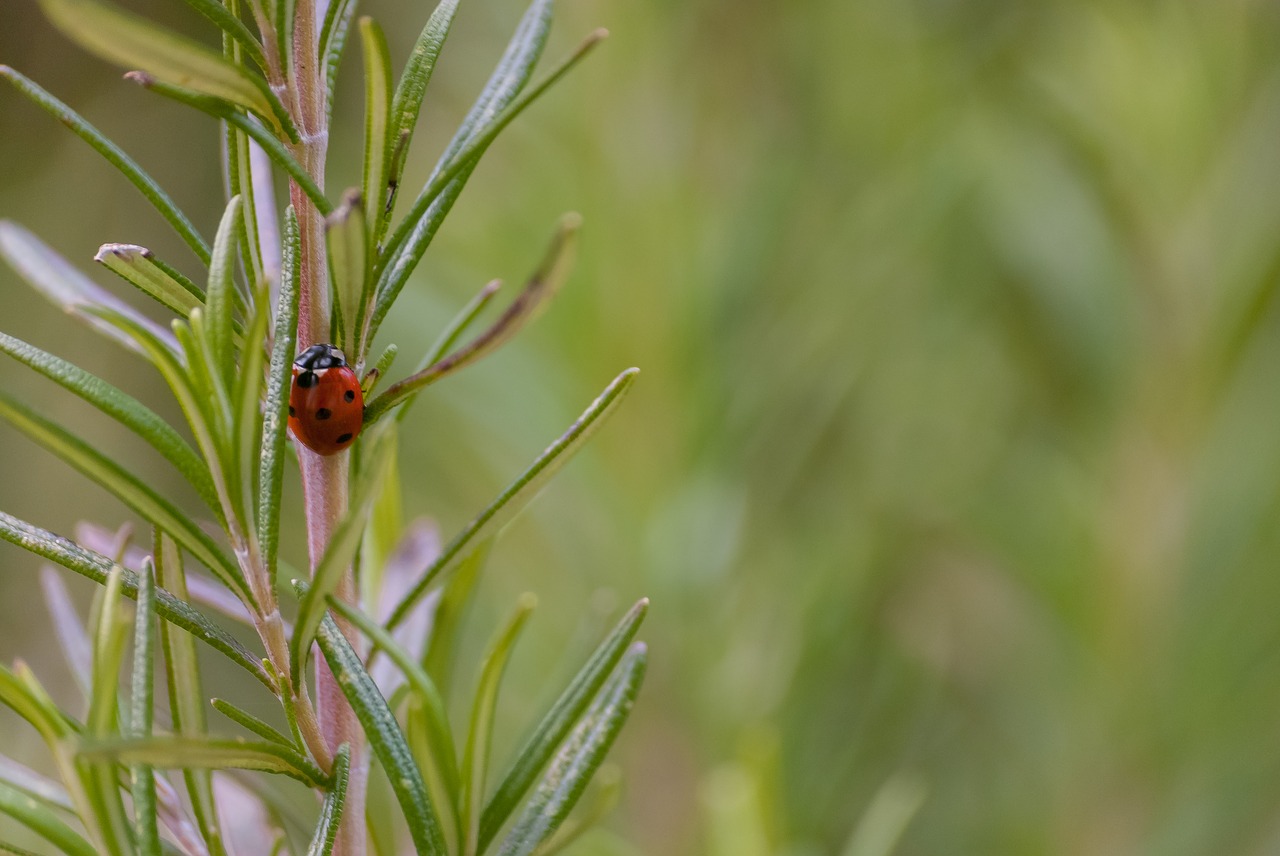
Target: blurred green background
{"points": [[953, 470]]}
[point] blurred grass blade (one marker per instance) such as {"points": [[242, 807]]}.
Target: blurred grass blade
{"points": [[405, 107], [95, 567], [348, 242], [126, 487], [573, 766], [250, 722], [67, 624], [115, 156], [409, 249], [520, 492], [887, 817], [411, 237], [51, 275], [220, 295], [186, 689], [443, 766], [275, 413], [543, 285], [338, 554], [145, 821], [103, 722], [207, 753], [385, 738], [475, 762], [137, 266], [216, 12], [220, 109], [377, 109], [124, 408], [555, 726], [331, 812], [446, 617], [43, 821], [35, 785], [133, 42]]}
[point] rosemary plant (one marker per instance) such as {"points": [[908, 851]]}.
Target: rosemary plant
{"points": [[378, 611]]}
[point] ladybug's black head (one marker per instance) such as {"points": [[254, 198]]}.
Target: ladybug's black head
{"points": [[320, 357]]}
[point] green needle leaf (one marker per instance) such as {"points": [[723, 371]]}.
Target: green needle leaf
{"points": [[186, 690], [233, 27], [579, 758], [520, 492], [333, 39], [43, 821], [542, 286], [96, 567], [331, 811], [122, 407], [274, 414], [145, 820], [555, 726], [405, 107], [250, 722], [126, 487], [133, 42], [220, 296], [385, 738], [348, 242], [192, 753], [115, 156], [50, 274], [475, 761], [377, 107], [339, 554], [101, 781], [137, 266]]}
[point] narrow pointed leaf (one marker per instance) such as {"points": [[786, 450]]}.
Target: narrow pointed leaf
{"points": [[220, 295], [443, 752], [136, 266], [102, 780], [405, 248], [50, 274], [250, 722], [348, 242], [543, 285], [541, 745], [223, 110], [145, 820], [126, 487], [338, 556], [233, 27], [333, 40], [385, 738], [43, 821], [520, 492], [334, 802], [274, 414], [130, 41], [407, 104], [115, 156], [476, 760], [377, 109], [186, 689], [96, 567], [190, 753], [247, 399], [120, 406], [579, 758]]}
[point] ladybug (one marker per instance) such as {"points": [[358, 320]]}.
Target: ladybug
{"points": [[326, 404]]}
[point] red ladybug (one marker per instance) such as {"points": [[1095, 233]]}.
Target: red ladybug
{"points": [[326, 404]]}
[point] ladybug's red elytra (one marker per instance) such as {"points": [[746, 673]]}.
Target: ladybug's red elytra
{"points": [[326, 404]]}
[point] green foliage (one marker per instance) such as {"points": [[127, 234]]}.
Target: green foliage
{"points": [[225, 352]]}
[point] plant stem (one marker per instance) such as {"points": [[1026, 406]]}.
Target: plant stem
{"points": [[325, 485]]}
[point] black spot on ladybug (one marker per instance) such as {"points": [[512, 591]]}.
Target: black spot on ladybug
{"points": [[291, 413], [350, 395], [323, 413], [306, 380], [343, 438]]}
